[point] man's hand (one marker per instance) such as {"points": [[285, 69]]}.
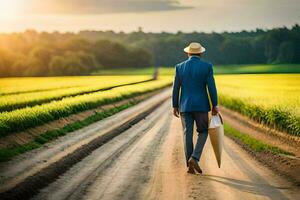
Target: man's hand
{"points": [[215, 110], [176, 112]]}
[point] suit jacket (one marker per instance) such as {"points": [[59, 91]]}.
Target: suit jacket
{"points": [[193, 84]]}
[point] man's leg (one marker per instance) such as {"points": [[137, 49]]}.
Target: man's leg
{"points": [[188, 128], [201, 119]]}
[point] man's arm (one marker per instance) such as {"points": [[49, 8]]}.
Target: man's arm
{"points": [[212, 90], [175, 93]]}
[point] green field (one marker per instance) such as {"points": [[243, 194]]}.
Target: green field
{"points": [[20, 85], [135, 71], [50, 103], [30, 102], [43, 93], [269, 94], [271, 99], [218, 69], [257, 69]]}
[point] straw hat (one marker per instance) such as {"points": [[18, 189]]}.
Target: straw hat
{"points": [[194, 48]]}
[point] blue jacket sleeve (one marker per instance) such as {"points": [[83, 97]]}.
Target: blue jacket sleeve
{"points": [[176, 89], [212, 87]]}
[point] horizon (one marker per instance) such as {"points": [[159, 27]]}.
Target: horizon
{"points": [[151, 32], [152, 15]]}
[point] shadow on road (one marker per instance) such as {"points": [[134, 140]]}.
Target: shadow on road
{"points": [[257, 188]]}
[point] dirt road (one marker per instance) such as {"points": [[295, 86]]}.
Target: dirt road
{"points": [[147, 162], [240, 177]]}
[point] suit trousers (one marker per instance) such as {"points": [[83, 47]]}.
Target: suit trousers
{"points": [[187, 120]]}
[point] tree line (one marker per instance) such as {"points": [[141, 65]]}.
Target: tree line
{"points": [[33, 53], [54, 54]]}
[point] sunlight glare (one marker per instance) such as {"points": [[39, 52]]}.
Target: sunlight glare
{"points": [[10, 8]]}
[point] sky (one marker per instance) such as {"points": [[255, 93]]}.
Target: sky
{"points": [[151, 15]]}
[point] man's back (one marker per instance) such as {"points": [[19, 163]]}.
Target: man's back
{"points": [[192, 77]]}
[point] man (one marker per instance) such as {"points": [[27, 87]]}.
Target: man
{"points": [[193, 82]]}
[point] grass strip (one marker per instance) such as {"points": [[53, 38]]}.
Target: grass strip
{"points": [[273, 117], [252, 143], [8, 153]]}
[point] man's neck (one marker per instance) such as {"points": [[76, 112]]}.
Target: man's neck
{"points": [[194, 56]]}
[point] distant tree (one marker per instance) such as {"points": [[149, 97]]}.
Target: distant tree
{"points": [[20, 66], [109, 54], [286, 52], [39, 59], [72, 63], [57, 66], [236, 51], [89, 61], [139, 57], [6, 63], [258, 50], [77, 44], [113, 54], [168, 51]]}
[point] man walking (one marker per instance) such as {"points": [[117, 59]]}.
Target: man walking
{"points": [[193, 86]]}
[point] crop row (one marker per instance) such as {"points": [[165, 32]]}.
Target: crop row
{"points": [[18, 85], [273, 100], [21, 100], [22, 119], [274, 117]]}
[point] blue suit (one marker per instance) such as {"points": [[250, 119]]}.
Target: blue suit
{"points": [[192, 77], [193, 85]]}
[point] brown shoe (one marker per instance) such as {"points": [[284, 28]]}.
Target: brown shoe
{"points": [[191, 169], [193, 162]]}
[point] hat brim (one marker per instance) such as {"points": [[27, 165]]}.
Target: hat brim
{"points": [[188, 50]]}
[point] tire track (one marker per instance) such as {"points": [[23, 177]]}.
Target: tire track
{"points": [[23, 181], [118, 169]]}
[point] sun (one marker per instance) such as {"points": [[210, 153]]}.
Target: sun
{"points": [[10, 8]]}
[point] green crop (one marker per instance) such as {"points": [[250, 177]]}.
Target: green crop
{"points": [[273, 100], [22, 119], [21, 100], [37, 84], [8, 153]]}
